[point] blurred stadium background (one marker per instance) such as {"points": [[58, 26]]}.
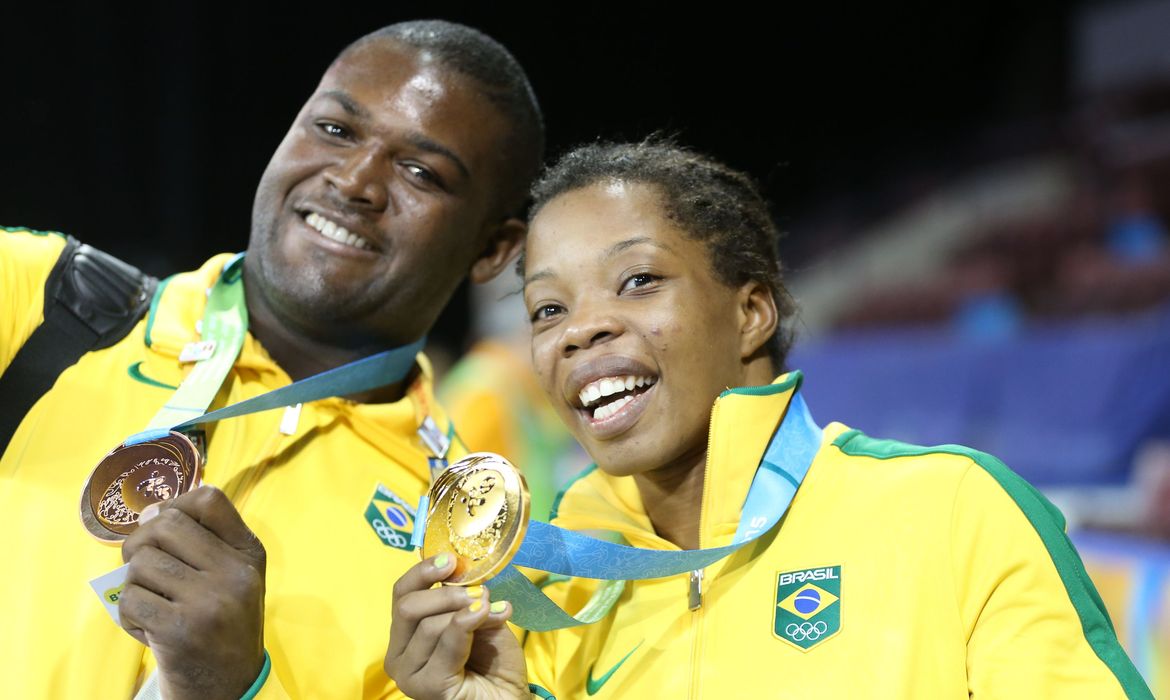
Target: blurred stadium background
{"points": [[976, 203]]}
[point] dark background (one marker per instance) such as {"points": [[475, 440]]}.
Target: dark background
{"points": [[143, 129]]}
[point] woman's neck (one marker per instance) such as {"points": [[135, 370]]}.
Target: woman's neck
{"points": [[672, 496]]}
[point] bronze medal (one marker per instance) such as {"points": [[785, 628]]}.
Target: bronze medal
{"points": [[131, 477], [478, 513]]}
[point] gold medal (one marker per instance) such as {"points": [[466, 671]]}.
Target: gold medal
{"points": [[131, 477], [478, 513]]}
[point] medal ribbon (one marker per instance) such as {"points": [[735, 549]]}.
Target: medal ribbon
{"points": [[225, 321], [549, 548]]}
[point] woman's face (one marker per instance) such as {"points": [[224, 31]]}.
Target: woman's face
{"points": [[633, 337]]}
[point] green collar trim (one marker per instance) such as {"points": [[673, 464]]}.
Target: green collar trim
{"points": [[794, 380], [552, 514], [154, 307], [33, 231]]}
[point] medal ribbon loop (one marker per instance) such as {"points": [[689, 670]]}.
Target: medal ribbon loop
{"points": [[225, 322]]}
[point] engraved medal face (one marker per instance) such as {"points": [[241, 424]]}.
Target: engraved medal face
{"points": [[132, 477], [479, 513]]}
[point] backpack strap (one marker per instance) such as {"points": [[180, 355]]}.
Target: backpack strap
{"points": [[92, 300]]}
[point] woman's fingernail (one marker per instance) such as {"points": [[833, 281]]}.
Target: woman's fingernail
{"points": [[474, 607], [474, 591], [441, 560], [499, 606], [148, 513]]}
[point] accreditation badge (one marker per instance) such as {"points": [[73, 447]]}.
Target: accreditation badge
{"points": [[391, 518], [808, 606]]}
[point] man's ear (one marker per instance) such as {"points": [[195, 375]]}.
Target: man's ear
{"points": [[757, 318], [502, 247]]}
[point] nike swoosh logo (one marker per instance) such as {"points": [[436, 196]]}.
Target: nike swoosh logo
{"points": [[137, 375], [592, 686]]}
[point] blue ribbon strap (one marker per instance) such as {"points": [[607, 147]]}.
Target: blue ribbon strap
{"points": [[361, 375], [358, 376], [549, 548]]}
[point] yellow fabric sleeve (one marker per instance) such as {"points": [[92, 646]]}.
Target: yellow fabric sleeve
{"points": [[1035, 626], [26, 258]]}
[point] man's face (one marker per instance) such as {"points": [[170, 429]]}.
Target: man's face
{"points": [[378, 199]]}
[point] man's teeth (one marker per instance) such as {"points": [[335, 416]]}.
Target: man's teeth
{"points": [[612, 385], [338, 233]]}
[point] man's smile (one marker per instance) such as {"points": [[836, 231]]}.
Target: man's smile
{"points": [[335, 232]]}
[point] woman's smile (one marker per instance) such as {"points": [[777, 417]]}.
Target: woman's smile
{"points": [[632, 332]]}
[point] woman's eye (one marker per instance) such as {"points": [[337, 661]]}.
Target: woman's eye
{"points": [[546, 311], [639, 280]]}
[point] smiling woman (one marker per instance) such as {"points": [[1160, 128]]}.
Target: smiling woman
{"points": [[658, 315]]}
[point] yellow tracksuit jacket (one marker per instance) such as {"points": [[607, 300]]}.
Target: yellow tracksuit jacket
{"points": [[899, 572], [306, 495]]}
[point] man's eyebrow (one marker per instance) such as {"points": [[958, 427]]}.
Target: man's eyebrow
{"points": [[423, 143], [416, 139], [347, 103]]}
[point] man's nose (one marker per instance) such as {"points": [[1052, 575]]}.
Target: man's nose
{"points": [[361, 178]]}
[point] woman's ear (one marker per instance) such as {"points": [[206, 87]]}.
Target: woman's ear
{"points": [[502, 247], [757, 318]]}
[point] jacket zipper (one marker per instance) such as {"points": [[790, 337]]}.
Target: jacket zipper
{"points": [[695, 592], [696, 597], [695, 587]]}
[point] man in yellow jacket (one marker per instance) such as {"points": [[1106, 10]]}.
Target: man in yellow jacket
{"points": [[405, 171]]}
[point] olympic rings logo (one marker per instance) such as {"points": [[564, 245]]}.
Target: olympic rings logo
{"points": [[389, 536], [806, 630]]}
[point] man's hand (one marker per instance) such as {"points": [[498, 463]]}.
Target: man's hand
{"points": [[451, 643], [195, 595]]}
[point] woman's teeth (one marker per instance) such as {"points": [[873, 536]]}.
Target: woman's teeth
{"points": [[335, 232], [611, 408], [595, 391]]}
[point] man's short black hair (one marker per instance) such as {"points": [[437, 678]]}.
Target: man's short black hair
{"points": [[712, 203], [499, 77]]}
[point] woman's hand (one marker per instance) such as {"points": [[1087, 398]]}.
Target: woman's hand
{"points": [[450, 642]]}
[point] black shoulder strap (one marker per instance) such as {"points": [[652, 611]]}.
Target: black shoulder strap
{"points": [[92, 300]]}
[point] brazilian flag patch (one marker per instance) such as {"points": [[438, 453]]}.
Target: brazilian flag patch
{"points": [[808, 606], [391, 517]]}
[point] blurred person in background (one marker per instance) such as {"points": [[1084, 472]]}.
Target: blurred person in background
{"points": [[491, 393]]}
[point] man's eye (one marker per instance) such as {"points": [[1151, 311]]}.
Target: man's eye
{"points": [[334, 130], [419, 172], [422, 174]]}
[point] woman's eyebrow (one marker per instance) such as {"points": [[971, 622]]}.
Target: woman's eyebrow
{"points": [[628, 243], [538, 276], [610, 252]]}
